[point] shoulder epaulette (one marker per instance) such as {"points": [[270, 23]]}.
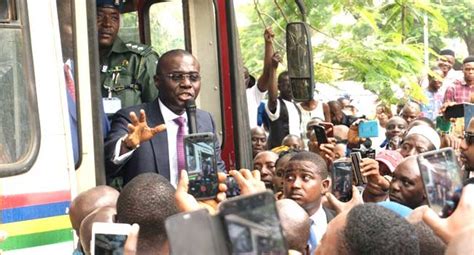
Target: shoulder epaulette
{"points": [[141, 49]]}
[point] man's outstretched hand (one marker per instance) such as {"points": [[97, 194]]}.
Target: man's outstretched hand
{"points": [[139, 131]]}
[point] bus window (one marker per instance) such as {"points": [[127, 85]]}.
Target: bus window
{"points": [[19, 124], [167, 26], [128, 31]]}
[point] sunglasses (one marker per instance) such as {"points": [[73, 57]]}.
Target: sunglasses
{"points": [[469, 138], [180, 77]]}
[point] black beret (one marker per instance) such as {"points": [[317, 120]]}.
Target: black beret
{"points": [[468, 59]]}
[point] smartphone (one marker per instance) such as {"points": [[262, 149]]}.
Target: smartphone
{"points": [[442, 179], [181, 230], [368, 129], [252, 224], [109, 238], [454, 111], [320, 133], [341, 176], [358, 178], [329, 127], [468, 114], [201, 165], [233, 188]]}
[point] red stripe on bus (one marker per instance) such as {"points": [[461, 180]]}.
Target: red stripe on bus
{"points": [[21, 200]]}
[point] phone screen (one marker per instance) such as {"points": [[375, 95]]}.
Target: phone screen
{"points": [[201, 165], [106, 244], [233, 188], [320, 133], [442, 180], [252, 224], [358, 178], [342, 179]]}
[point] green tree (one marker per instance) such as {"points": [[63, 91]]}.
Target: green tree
{"points": [[460, 15]]}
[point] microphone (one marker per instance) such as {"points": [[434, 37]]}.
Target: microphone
{"points": [[191, 112]]}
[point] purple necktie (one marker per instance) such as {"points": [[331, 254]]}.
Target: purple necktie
{"points": [[180, 142]]}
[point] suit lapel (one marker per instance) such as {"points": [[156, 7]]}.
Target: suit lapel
{"points": [[159, 143]]}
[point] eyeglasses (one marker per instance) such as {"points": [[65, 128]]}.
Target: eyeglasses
{"points": [[179, 77], [469, 138]]}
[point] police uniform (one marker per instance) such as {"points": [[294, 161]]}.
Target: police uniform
{"points": [[127, 71]]}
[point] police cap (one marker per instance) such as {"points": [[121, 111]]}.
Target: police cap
{"points": [[118, 4]]}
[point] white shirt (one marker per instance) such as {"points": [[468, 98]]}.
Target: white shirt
{"points": [[172, 132], [293, 116], [254, 97], [320, 222]]}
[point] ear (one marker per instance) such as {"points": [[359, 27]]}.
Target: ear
{"points": [[157, 80], [325, 184]]}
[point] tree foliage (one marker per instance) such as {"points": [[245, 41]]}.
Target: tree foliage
{"points": [[376, 44]]}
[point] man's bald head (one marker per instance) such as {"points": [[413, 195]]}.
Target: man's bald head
{"points": [[103, 214], [295, 223], [341, 132], [88, 201]]}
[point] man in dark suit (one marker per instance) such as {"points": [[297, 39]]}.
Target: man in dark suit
{"points": [[148, 143]]}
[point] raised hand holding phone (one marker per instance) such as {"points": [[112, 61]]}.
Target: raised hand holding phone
{"points": [[109, 238]]}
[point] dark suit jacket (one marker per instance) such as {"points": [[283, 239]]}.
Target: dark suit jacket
{"points": [[151, 156]]}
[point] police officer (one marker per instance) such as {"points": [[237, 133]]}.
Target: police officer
{"points": [[126, 69]]}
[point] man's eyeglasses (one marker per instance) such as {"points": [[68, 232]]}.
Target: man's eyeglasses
{"points": [[469, 138], [179, 77]]}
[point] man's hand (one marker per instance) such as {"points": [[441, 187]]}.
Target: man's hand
{"points": [[186, 202], [276, 59], [249, 182], [139, 131], [130, 247], [268, 35], [370, 169], [452, 141], [461, 218], [339, 206], [326, 150]]}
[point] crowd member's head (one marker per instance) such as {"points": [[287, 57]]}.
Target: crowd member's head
{"points": [[421, 121], [103, 214], [108, 22], [335, 110], [88, 201], [419, 139], [265, 163], [467, 147], [284, 86], [312, 141], [280, 168], [259, 140], [396, 126], [406, 186], [388, 161], [446, 61], [344, 101], [369, 229], [435, 81], [293, 142], [462, 243], [306, 180], [468, 69], [383, 114], [341, 133], [178, 79], [410, 111], [295, 223], [429, 242], [148, 200]]}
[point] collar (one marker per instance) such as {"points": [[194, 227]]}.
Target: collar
{"points": [[319, 215], [168, 115], [118, 46]]}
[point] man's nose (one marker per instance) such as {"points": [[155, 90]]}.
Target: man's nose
{"points": [[395, 186], [296, 183]]}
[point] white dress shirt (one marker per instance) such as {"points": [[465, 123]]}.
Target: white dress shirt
{"points": [[172, 132], [254, 97], [321, 222], [294, 120]]}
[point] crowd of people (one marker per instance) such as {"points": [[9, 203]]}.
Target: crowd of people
{"points": [[388, 214]]}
